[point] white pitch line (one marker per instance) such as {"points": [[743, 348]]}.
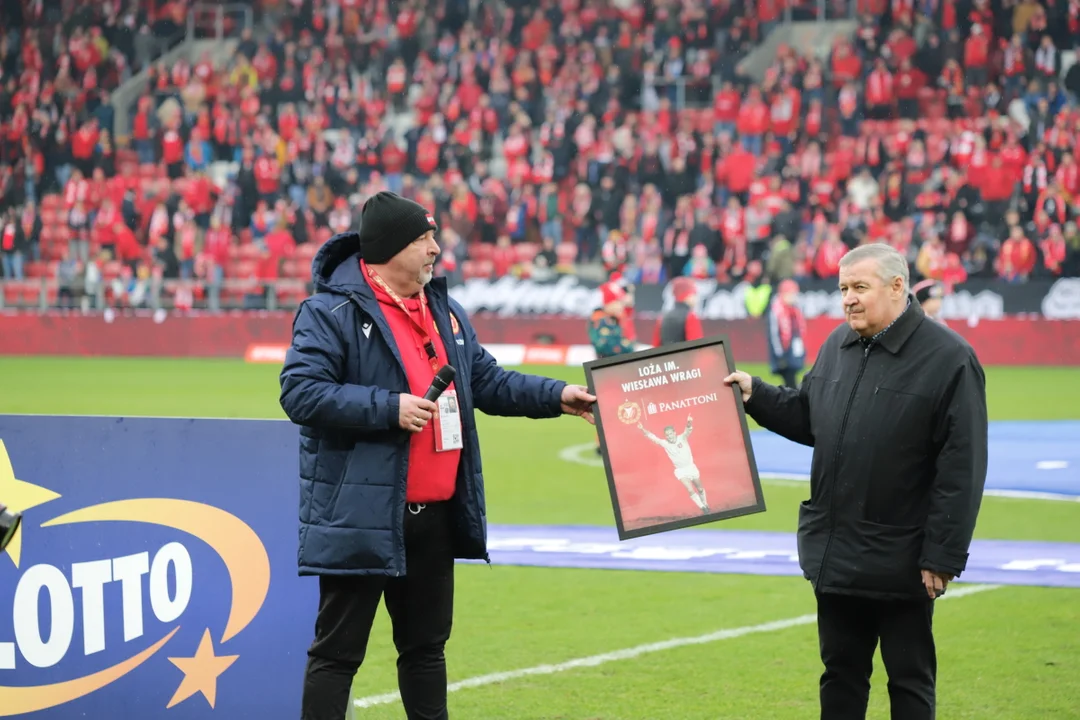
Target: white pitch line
{"points": [[586, 455], [637, 651]]}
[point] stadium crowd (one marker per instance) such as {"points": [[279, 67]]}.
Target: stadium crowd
{"points": [[544, 135]]}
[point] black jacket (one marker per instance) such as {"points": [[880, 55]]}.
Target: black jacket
{"points": [[673, 324], [899, 431]]}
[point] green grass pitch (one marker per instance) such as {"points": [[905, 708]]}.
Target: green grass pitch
{"points": [[1010, 653]]}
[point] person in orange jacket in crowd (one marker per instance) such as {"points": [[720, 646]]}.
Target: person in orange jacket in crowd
{"points": [[680, 323]]}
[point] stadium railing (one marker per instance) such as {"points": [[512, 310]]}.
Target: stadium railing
{"points": [[43, 294]]}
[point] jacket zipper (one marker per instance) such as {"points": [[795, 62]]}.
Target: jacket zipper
{"points": [[836, 462]]}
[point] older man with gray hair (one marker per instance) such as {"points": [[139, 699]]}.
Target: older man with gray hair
{"points": [[895, 409]]}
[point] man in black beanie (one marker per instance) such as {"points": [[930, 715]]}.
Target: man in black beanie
{"points": [[391, 490]]}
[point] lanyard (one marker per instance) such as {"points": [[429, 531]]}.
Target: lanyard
{"points": [[420, 327]]}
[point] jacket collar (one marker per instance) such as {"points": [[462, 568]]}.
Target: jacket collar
{"points": [[894, 336]]}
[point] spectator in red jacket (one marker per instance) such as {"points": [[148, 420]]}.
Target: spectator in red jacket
{"points": [[1017, 258], [977, 57]]}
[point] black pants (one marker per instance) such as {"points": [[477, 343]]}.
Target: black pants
{"points": [[848, 631], [421, 610]]}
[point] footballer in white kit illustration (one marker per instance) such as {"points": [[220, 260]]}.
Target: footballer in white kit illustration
{"points": [[678, 450]]}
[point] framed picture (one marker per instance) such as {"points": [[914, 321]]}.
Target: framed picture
{"points": [[674, 438]]}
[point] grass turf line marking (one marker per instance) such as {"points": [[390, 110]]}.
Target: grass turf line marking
{"points": [[586, 455], [637, 651]]}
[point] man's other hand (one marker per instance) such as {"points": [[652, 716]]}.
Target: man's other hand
{"points": [[576, 400], [414, 412], [743, 380], [935, 582]]}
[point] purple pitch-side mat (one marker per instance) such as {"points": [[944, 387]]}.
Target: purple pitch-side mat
{"points": [[1024, 457], [1000, 562]]}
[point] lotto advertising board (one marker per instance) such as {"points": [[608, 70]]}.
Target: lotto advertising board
{"points": [[154, 575]]}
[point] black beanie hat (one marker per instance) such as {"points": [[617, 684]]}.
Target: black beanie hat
{"points": [[388, 223]]}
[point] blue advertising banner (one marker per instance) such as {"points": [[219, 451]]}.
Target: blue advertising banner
{"points": [[154, 575]]}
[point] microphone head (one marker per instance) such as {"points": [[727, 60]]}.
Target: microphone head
{"points": [[444, 377]]}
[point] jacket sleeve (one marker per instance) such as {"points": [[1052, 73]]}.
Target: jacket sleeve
{"points": [[496, 391], [784, 410], [312, 392], [960, 473]]}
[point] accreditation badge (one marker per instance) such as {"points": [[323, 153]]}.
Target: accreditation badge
{"points": [[448, 422]]}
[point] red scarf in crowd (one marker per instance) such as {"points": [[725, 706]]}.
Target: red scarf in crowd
{"points": [[788, 318]]}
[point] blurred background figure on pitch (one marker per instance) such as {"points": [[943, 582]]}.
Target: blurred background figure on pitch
{"points": [[680, 323], [929, 295], [787, 333], [607, 331]]}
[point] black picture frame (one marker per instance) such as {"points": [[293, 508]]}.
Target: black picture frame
{"points": [[594, 368]]}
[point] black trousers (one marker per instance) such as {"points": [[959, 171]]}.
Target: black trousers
{"points": [[421, 607], [848, 631]]}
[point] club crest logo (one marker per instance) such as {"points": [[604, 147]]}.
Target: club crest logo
{"points": [[454, 327], [630, 412]]}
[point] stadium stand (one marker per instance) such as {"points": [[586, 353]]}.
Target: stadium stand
{"points": [[183, 155]]}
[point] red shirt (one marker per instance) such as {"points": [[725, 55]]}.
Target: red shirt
{"points": [[432, 476]]}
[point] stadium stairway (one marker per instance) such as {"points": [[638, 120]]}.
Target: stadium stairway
{"points": [[125, 96], [806, 38]]}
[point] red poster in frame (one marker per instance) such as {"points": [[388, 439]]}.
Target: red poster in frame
{"points": [[673, 437]]}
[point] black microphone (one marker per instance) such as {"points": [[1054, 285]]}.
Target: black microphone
{"points": [[441, 381]]}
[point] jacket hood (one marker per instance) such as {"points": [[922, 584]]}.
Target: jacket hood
{"points": [[336, 266]]}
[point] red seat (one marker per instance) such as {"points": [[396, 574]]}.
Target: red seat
{"points": [[36, 269], [566, 253], [111, 270], [22, 293], [244, 269], [480, 251], [526, 252], [477, 269]]}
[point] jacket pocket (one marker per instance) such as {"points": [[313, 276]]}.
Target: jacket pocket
{"points": [[878, 558], [904, 417], [812, 537], [324, 497]]}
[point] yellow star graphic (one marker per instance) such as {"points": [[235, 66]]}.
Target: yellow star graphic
{"points": [[201, 672], [19, 497]]}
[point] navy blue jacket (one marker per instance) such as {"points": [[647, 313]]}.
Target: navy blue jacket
{"points": [[341, 382]]}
